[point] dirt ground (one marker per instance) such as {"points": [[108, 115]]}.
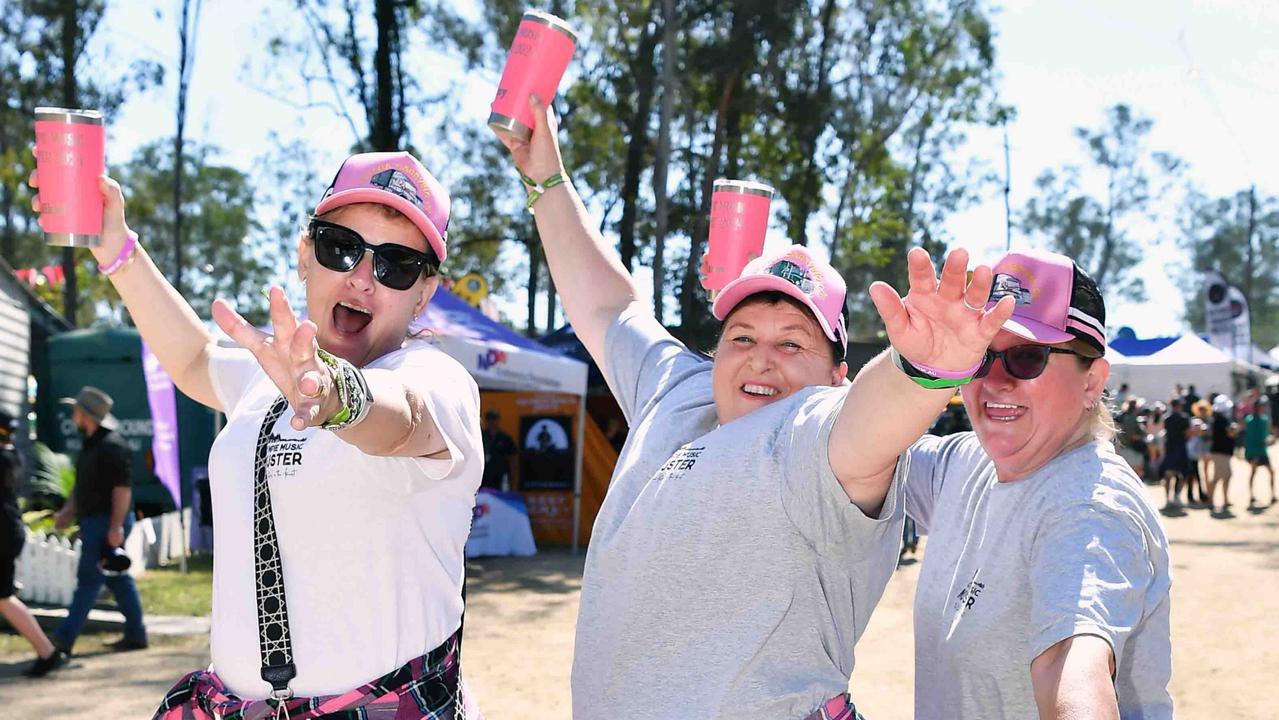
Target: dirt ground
{"points": [[519, 635]]}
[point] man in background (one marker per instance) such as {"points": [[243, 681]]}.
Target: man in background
{"points": [[102, 503], [498, 449]]}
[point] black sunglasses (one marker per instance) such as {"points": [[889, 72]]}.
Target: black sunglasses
{"points": [[1024, 362], [340, 249]]}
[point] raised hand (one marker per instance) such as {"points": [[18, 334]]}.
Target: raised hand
{"points": [[289, 357], [114, 228], [942, 323], [539, 157]]}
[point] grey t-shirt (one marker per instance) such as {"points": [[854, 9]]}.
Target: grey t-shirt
{"points": [[728, 574], [1013, 568]]}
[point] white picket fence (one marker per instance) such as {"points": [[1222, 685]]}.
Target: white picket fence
{"points": [[47, 566]]}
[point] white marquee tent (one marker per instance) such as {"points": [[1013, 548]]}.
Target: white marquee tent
{"points": [[1189, 360]]}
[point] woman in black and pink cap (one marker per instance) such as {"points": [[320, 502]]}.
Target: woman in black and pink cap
{"points": [[346, 474], [1044, 587], [754, 517]]}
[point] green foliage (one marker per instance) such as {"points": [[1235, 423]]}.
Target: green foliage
{"points": [[1215, 236], [1098, 231], [225, 251]]}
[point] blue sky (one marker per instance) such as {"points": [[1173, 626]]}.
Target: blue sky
{"points": [[1204, 70]]}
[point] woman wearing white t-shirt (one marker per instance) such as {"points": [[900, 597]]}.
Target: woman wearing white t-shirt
{"points": [[345, 478], [1044, 589]]}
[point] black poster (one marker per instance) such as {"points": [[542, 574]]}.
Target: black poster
{"points": [[546, 452]]}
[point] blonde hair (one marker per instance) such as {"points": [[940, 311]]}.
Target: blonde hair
{"points": [[1101, 424]]}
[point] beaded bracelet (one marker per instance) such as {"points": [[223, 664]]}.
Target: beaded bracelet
{"points": [[353, 393]]}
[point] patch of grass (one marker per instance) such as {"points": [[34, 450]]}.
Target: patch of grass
{"points": [[13, 647], [169, 591]]}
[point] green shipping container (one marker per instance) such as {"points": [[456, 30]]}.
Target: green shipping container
{"points": [[111, 360]]}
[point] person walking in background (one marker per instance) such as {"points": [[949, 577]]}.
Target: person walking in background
{"points": [[102, 502], [13, 536], [1176, 457], [1132, 443], [1256, 436], [1198, 460], [1154, 428], [1221, 445], [498, 449], [1191, 397]]}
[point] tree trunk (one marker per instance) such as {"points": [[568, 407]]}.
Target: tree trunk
{"points": [[382, 133], [186, 55], [662, 161], [551, 296], [70, 99], [534, 273], [638, 128], [691, 307], [804, 199]]}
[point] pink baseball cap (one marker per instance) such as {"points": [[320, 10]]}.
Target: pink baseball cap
{"points": [[792, 271], [397, 180], [1056, 300]]}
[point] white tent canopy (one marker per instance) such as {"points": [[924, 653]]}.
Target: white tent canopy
{"points": [[1189, 360]]}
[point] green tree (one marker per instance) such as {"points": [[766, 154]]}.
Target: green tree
{"points": [[1215, 237], [1098, 231], [225, 248]]}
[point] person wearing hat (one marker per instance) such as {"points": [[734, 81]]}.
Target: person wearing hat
{"points": [[102, 503], [345, 477], [13, 535], [1044, 590], [754, 515], [1256, 437]]}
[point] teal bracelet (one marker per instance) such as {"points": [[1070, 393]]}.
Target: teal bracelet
{"points": [[923, 379], [536, 189]]}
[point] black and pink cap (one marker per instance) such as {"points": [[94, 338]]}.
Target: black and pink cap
{"points": [[1057, 301], [398, 180]]}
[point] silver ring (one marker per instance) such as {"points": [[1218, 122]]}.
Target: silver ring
{"points": [[970, 307]]}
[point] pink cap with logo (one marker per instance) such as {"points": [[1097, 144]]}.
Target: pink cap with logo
{"points": [[1056, 300], [398, 180], [794, 272]]}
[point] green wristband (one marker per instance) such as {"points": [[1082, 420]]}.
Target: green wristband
{"points": [[924, 380], [537, 189]]}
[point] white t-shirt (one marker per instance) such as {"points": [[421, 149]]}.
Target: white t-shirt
{"points": [[728, 574], [372, 547], [1013, 568]]}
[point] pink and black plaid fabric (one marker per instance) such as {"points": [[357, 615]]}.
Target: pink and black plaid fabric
{"points": [[839, 707], [425, 688]]}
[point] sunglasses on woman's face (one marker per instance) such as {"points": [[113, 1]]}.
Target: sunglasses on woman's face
{"points": [[1024, 362], [340, 249]]}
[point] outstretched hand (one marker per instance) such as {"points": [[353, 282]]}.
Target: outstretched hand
{"points": [[289, 357], [942, 323], [538, 158]]}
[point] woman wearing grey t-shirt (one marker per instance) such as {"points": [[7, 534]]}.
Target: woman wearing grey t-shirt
{"points": [[753, 518], [1044, 590]]}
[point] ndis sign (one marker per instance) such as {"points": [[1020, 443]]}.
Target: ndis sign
{"points": [[490, 359]]}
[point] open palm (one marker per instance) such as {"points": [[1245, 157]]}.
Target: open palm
{"points": [[289, 357], [941, 323]]}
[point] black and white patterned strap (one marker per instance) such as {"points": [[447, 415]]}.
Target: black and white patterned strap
{"points": [[274, 642]]}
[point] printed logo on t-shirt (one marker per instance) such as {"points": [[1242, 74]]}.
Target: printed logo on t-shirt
{"points": [[967, 597], [283, 456], [682, 461]]}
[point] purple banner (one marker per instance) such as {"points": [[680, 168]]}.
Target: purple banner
{"points": [[164, 424]]}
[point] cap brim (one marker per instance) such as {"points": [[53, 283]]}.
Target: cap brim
{"points": [[1035, 330], [741, 288], [382, 197], [110, 422], [67, 401]]}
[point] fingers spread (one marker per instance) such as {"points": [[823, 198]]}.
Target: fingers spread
{"points": [[303, 347], [890, 307], [283, 322], [979, 289], [236, 327], [995, 317], [954, 275], [920, 272]]}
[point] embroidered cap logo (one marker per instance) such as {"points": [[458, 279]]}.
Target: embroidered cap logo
{"points": [[1005, 284], [396, 182], [794, 274]]}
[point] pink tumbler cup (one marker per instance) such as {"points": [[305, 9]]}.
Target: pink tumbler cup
{"points": [[739, 221], [70, 155], [539, 56]]}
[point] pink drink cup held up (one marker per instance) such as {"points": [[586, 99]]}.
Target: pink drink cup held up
{"points": [[70, 155], [539, 56], [739, 221]]}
